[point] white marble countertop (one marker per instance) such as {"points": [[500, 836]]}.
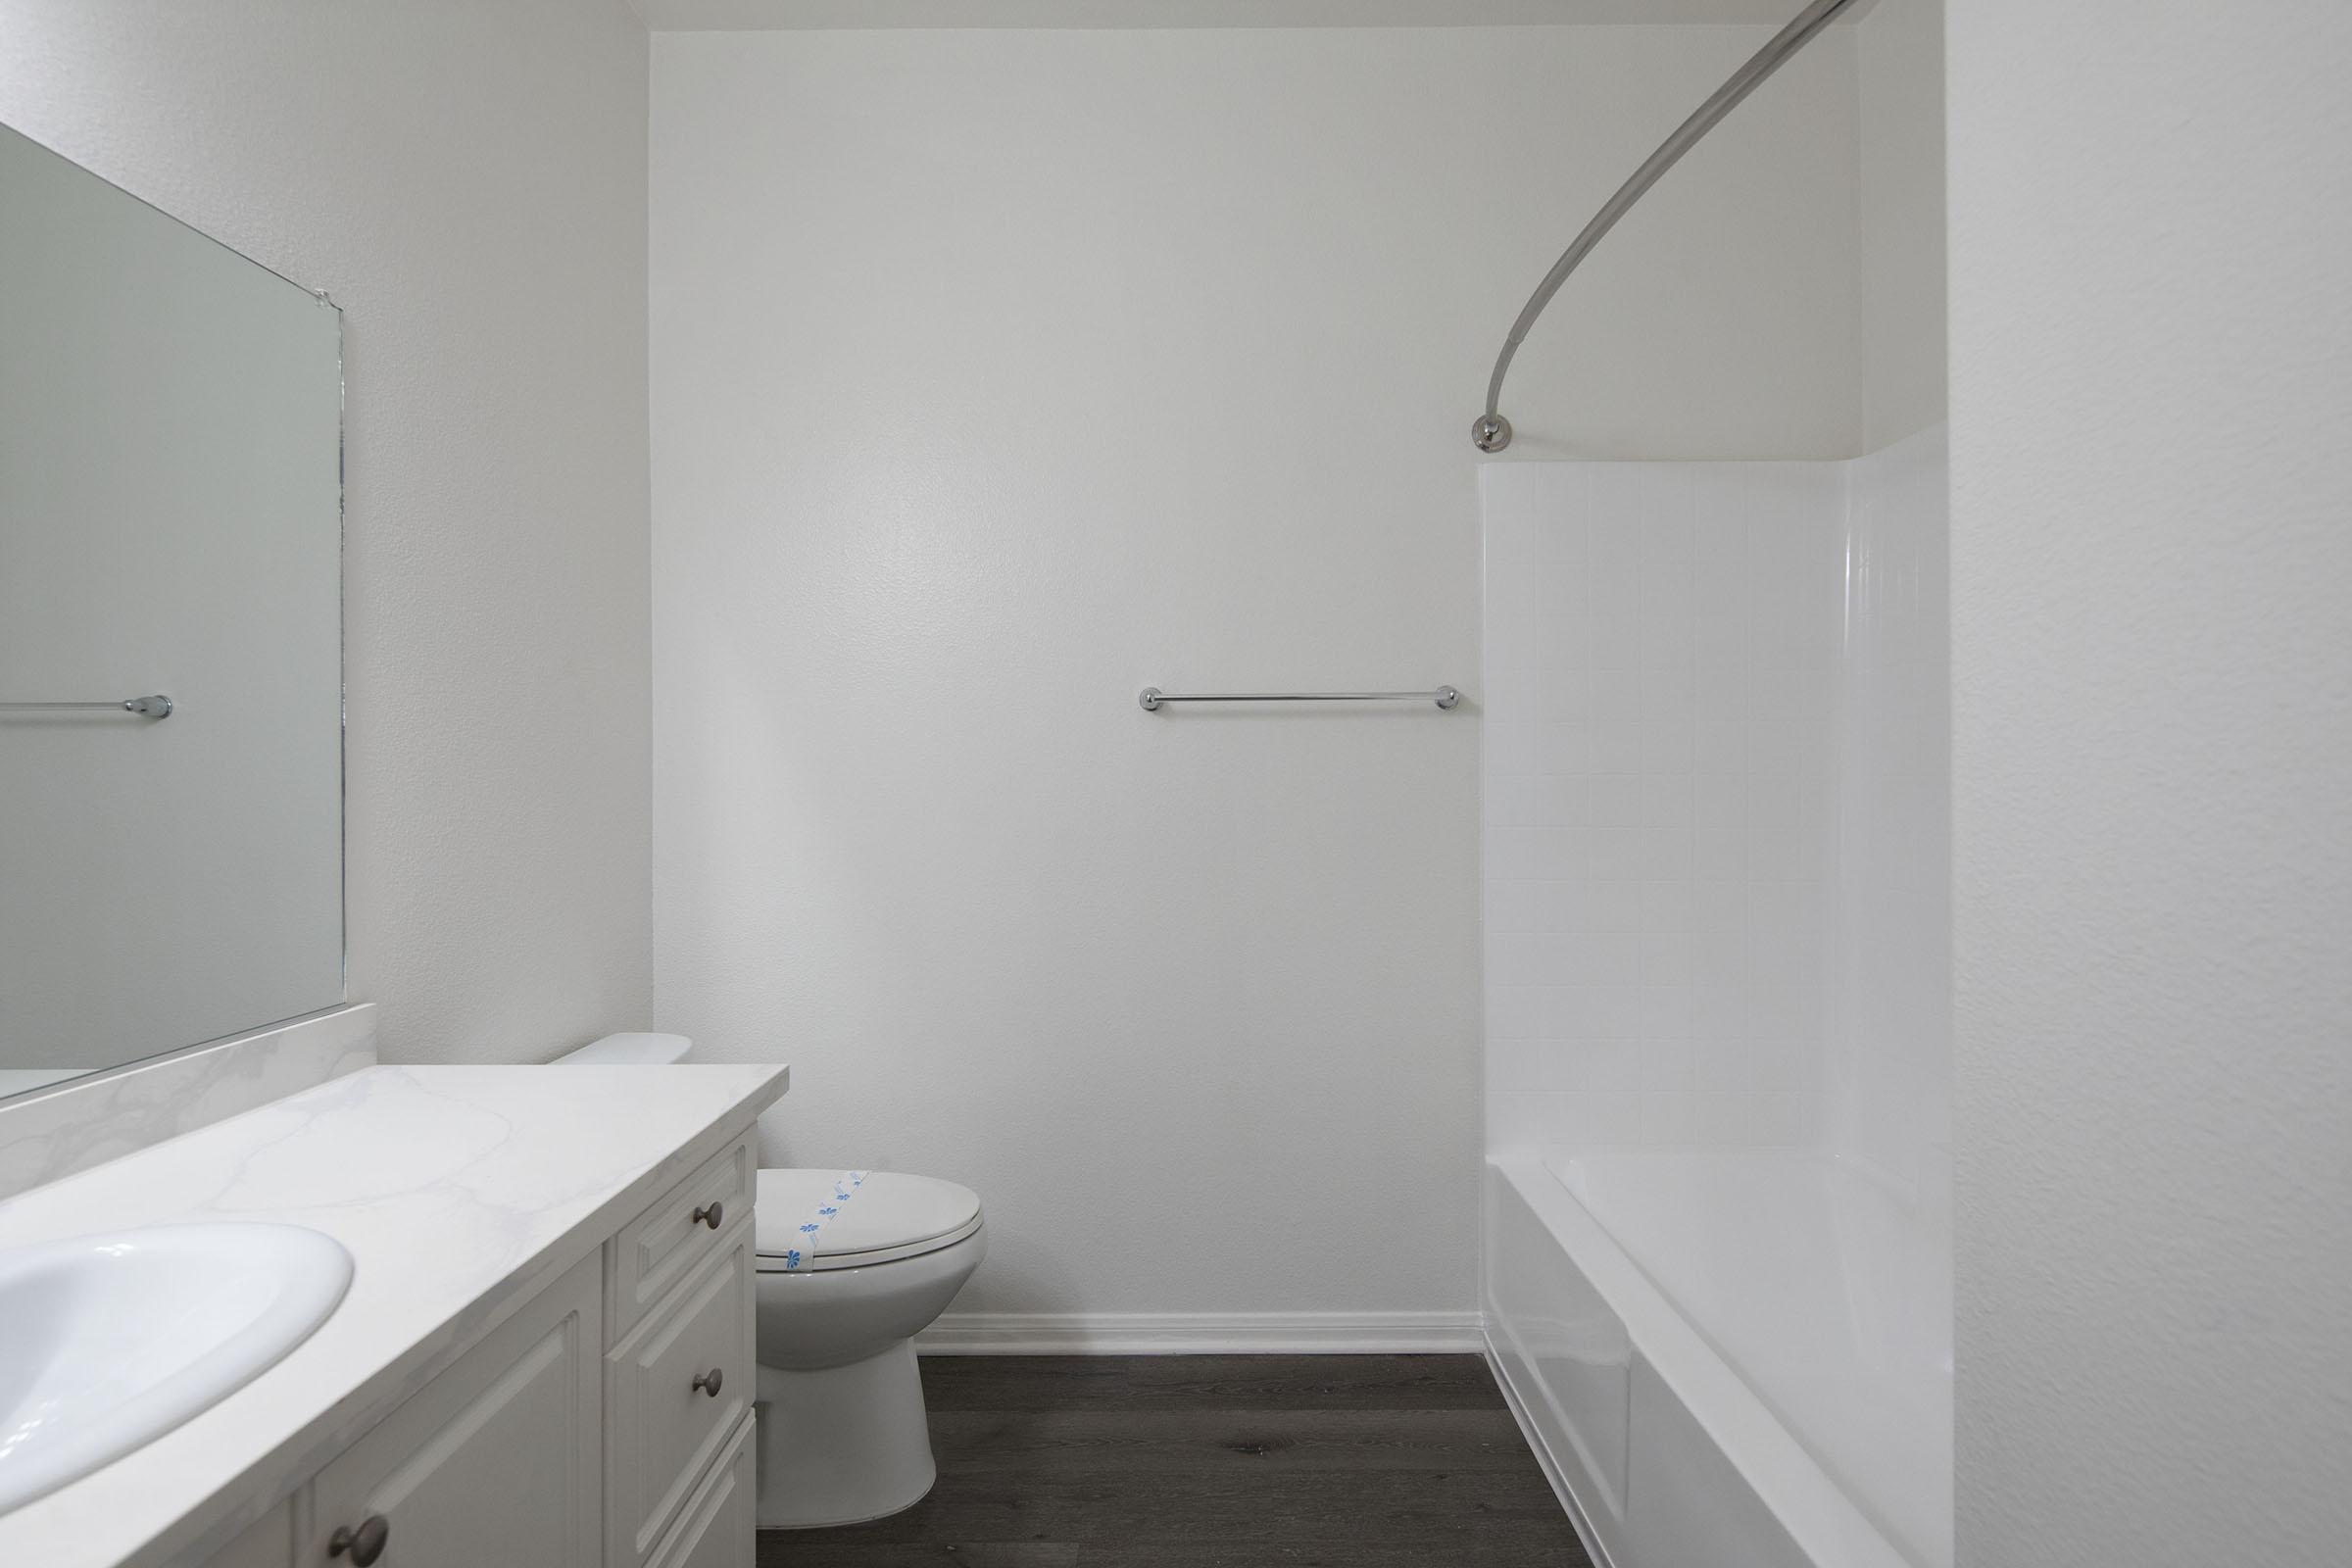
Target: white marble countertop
{"points": [[457, 1190]]}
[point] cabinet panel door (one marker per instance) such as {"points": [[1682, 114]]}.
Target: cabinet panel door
{"points": [[269, 1543], [716, 1528], [493, 1464]]}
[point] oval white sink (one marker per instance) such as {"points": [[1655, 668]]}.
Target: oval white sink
{"points": [[111, 1341]]}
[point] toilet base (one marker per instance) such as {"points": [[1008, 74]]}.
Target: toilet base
{"points": [[845, 1444]]}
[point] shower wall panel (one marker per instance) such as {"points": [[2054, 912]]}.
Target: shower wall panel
{"points": [[1716, 826], [1889, 1082]]}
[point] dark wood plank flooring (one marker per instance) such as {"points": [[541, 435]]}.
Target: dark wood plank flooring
{"points": [[1212, 1461]]}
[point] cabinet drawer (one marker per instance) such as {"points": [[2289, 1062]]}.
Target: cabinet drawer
{"points": [[662, 1246], [717, 1529], [666, 1431]]}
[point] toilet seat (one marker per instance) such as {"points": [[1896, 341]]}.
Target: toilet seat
{"points": [[852, 1219]]}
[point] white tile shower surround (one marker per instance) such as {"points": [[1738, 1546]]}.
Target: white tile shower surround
{"points": [[1717, 846], [1890, 1083], [1717, 806]]}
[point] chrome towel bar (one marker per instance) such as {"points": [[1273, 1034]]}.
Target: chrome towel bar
{"points": [[1152, 697], [156, 706]]}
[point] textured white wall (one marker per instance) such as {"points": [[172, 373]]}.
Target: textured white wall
{"points": [[468, 183], [998, 375], [2152, 670]]}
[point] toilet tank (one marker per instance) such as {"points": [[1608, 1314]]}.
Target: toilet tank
{"points": [[628, 1051]]}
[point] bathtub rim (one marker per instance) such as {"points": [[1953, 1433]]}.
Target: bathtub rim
{"points": [[1823, 1522]]}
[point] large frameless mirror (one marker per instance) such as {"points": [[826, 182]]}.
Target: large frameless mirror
{"points": [[170, 632]]}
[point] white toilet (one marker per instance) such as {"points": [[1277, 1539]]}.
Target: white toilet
{"points": [[852, 1266]]}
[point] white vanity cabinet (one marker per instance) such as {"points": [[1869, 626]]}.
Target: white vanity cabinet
{"points": [[606, 1421], [495, 1462]]}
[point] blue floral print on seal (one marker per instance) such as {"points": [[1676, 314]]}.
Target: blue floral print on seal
{"points": [[845, 1186]]}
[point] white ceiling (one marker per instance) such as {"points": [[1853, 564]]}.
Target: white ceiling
{"points": [[665, 16]]}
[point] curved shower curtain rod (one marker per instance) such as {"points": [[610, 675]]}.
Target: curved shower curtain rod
{"points": [[1491, 431]]}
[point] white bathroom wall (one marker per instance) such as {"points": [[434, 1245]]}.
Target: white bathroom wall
{"points": [[2152, 678], [468, 183], [999, 376]]}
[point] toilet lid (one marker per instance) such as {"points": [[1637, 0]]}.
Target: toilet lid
{"points": [[846, 1219]]}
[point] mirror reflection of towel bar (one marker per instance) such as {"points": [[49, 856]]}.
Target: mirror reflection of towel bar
{"points": [[1152, 697], [156, 706]]}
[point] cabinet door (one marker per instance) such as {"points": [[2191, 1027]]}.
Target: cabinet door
{"points": [[715, 1530], [493, 1464], [267, 1544]]}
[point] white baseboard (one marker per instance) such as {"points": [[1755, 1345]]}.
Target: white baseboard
{"points": [[1200, 1334]]}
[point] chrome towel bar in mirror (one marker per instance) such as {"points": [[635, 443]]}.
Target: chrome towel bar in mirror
{"points": [[156, 706], [1152, 697]]}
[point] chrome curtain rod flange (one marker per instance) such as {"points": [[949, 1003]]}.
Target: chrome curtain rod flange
{"points": [[156, 706], [1490, 431], [1152, 697]]}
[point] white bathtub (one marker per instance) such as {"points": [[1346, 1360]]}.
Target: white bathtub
{"points": [[1730, 1358]]}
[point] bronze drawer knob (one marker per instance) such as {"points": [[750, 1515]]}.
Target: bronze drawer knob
{"points": [[365, 1543]]}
